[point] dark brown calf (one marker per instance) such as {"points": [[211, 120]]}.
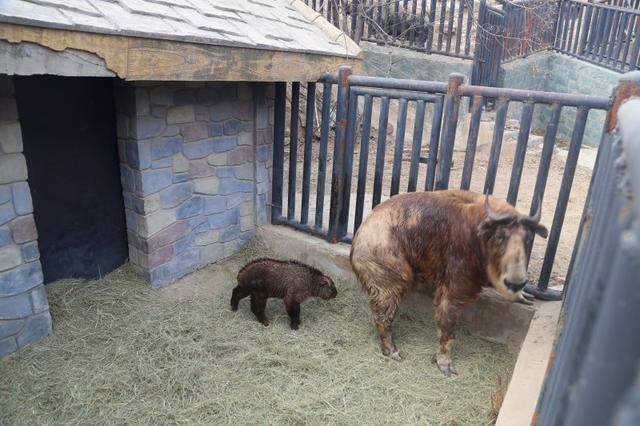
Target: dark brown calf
{"points": [[292, 281], [449, 243]]}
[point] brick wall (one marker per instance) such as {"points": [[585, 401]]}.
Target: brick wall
{"points": [[195, 170], [24, 310]]}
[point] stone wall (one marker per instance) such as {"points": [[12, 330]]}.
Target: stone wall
{"points": [[195, 171], [554, 72], [395, 62], [24, 310]]}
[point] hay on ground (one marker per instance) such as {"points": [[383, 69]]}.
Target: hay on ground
{"points": [[123, 353]]}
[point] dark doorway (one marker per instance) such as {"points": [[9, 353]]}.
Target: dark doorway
{"points": [[69, 133]]}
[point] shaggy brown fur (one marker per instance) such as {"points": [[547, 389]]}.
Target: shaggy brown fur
{"points": [[292, 281], [445, 243]]}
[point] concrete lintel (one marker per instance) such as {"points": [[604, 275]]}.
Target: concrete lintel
{"points": [[33, 59]]}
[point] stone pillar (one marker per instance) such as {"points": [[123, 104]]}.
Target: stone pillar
{"points": [[193, 167], [264, 109], [24, 309]]}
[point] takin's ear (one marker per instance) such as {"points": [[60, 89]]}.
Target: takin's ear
{"points": [[541, 230], [486, 227]]}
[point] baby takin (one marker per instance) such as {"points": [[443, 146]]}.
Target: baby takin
{"points": [[292, 281]]}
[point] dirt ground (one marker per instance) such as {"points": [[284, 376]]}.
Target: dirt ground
{"points": [[123, 353], [532, 160]]}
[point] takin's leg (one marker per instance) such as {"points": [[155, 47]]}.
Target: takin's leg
{"points": [[384, 313], [258, 304], [447, 315], [238, 294], [293, 309]]}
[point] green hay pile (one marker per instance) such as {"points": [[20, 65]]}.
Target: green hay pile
{"points": [[122, 353]]}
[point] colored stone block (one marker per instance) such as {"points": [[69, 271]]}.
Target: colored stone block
{"points": [[22, 201]]}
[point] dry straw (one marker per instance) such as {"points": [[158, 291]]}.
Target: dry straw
{"points": [[122, 353]]}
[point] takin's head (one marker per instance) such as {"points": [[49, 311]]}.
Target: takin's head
{"points": [[507, 236], [323, 287]]}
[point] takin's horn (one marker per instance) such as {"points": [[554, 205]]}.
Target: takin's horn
{"points": [[535, 219], [495, 216]]}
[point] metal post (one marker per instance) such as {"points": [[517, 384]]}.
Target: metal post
{"points": [[278, 151], [337, 184], [451, 110]]}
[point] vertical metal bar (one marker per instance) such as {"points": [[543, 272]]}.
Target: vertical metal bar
{"points": [[578, 38], [620, 39], [563, 197], [585, 30], [308, 151], [379, 19], [614, 38], [380, 150], [347, 170], [560, 25], [432, 24], [496, 145], [567, 24], [293, 150], [573, 25], [480, 47], [602, 18], [451, 110], [337, 184], [467, 41], [635, 53], [322, 153], [364, 160], [472, 141], [354, 14], [434, 143], [627, 44], [459, 27], [545, 164], [443, 13], [399, 146], [593, 31], [280, 109], [416, 147], [452, 11], [605, 36], [521, 151]]}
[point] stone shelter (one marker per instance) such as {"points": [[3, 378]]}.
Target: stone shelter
{"points": [[139, 130]]}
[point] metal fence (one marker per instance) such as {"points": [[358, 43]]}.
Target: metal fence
{"points": [[529, 27], [594, 377], [351, 189], [432, 26], [598, 33]]}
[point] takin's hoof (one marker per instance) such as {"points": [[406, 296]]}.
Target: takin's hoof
{"points": [[295, 326], [265, 323], [444, 365], [394, 355]]}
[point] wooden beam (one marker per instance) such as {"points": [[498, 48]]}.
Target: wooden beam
{"points": [[133, 58]]}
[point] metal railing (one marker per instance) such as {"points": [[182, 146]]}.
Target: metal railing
{"points": [[350, 175], [594, 376], [604, 35]]}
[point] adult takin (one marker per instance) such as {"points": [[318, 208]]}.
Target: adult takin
{"points": [[292, 281], [449, 243]]}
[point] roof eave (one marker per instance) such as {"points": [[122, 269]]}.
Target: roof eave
{"points": [[139, 58]]}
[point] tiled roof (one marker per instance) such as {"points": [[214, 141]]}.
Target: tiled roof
{"points": [[262, 24]]}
